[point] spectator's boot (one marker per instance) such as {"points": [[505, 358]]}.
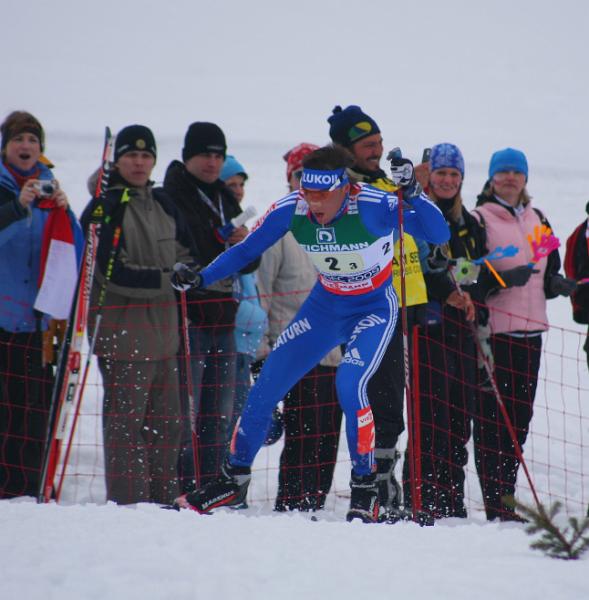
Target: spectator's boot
{"points": [[364, 498], [229, 489]]}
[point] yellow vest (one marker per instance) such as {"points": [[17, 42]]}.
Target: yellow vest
{"points": [[415, 288]]}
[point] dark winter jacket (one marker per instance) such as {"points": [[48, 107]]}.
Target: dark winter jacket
{"points": [[140, 317], [467, 240], [576, 265], [215, 305]]}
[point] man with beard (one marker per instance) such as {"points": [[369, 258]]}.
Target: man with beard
{"points": [[359, 133]]}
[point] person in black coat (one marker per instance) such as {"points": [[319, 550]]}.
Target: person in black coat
{"points": [[207, 204], [576, 266], [447, 347]]}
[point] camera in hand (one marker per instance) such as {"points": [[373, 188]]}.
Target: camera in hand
{"points": [[46, 189]]}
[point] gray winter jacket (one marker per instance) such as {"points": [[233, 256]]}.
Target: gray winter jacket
{"points": [[139, 314]]}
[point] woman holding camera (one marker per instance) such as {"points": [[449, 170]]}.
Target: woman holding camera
{"points": [[33, 214]]}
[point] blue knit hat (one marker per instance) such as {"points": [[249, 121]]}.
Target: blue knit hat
{"points": [[508, 159], [446, 156], [349, 125], [232, 167]]}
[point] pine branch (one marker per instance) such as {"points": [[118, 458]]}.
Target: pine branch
{"points": [[568, 543]]}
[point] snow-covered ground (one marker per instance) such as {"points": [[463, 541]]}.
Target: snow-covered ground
{"points": [[481, 75]]}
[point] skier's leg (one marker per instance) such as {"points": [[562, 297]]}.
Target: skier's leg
{"points": [[369, 338], [306, 340], [367, 344], [310, 335]]}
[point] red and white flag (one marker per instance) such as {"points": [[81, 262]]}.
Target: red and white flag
{"points": [[59, 269]]}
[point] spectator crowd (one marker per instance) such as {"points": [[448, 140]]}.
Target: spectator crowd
{"points": [[195, 334]]}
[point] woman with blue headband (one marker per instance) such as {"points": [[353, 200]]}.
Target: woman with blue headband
{"points": [[347, 231], [518, 318]]}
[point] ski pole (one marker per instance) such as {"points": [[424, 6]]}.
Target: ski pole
{"points": [[415, 489], [189, 383]]}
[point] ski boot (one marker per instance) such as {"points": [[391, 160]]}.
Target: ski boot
{"points": [[364, 498], [229, 489]]}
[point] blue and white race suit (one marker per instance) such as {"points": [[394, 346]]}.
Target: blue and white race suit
{"points": [[352, 303]]}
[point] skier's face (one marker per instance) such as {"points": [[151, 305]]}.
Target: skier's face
{"points": [[445, 183], [135, 167], [325, 204], [23, 151], [368, 152]]}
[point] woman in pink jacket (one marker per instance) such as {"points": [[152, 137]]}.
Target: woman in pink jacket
{"points": [[518, 318]]}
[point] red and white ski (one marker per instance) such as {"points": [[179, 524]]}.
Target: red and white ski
{"points": [[70, 358]]}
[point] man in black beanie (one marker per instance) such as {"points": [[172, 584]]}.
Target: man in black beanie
{"points": [[135, 138], [137, 340], [207, 204], [359, 133]]}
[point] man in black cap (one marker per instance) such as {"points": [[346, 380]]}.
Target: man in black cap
{"points": [[353, 129], [138, 337], [207, 204]]}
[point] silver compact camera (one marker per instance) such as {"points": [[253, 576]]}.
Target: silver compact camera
{"points": [[46, 189]]}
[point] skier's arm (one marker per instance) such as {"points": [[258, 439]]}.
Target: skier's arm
{"points": [[423, 219]]}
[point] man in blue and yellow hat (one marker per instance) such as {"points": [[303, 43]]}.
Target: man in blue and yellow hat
{"points": [[353, 129]]}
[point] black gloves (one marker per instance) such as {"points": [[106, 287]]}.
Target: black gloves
{"points": [[517, 276], [562, 286], [185, 277], [557, 285]]}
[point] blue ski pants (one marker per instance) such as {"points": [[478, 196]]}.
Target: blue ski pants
{"points": [[365, 324]]}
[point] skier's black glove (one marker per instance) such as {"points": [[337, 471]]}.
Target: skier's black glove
{"points": [[562, 286], [185, 278], [517, 276]]}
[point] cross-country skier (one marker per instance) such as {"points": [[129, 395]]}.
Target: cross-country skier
{"points": [[347, 232]]}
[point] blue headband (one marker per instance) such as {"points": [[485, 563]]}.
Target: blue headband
{"points": [[314, 179]]}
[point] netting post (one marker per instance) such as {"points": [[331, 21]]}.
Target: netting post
{"points": [[414, 428]]}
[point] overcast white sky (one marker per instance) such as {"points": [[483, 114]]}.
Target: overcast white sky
{"points": [[482, 74]]}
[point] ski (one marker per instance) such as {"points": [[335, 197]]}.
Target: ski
{"points": [[70, 357], [97, 217]]}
